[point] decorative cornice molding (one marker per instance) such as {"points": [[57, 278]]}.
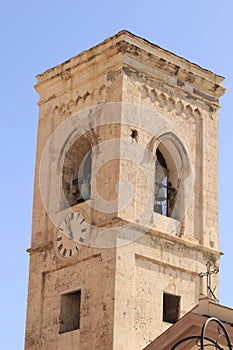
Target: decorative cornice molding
{"points": [[126, 50], [168, 95], [170, 103]]}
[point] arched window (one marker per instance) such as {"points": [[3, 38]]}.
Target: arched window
{"points": [[161, 184], [166, 182], [83, 180], [173, 176], [77, 169]]}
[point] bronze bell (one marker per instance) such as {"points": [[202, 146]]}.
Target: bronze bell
{"points": [[161, 195], [85, 190]]}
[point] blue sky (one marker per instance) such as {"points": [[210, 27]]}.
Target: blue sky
{"points": [[37, 35]]}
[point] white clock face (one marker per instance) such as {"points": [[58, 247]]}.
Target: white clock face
{"points": [[71, 235]]}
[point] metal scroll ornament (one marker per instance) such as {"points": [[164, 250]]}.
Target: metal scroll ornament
{"points": [[222, 341]]}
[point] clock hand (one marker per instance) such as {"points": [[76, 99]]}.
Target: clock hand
{"points": [[68, 229]]}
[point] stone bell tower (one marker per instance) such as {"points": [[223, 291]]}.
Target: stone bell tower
{"points": [[125, 199]]}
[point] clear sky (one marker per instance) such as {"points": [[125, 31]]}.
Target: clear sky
{"points": [[37, 35]]}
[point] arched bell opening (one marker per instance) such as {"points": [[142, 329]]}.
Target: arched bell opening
{"points": [[76, 173], [166, 182], [172, 171]]}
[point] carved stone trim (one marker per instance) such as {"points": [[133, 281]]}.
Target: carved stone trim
{"points": [[164, 101], [169, 94], [41, 248]]}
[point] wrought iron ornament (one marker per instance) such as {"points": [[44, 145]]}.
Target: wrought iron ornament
{"points": [[208, 273], [203, 342]]}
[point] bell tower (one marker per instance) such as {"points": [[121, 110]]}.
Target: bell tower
{"points": [[125, 199]]}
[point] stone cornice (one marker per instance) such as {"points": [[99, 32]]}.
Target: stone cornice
{"points": [[126, 36], [186, 74], [170, 57], [141, 55], [182, 241], [172, 75]]}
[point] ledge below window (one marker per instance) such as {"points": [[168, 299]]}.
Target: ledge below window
{"points": [[69, 340], [166, 224]]}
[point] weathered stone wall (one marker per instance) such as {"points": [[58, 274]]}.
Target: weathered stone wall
{"points": [[50, 279], [196, 127], [144, 270], [122, 284]]}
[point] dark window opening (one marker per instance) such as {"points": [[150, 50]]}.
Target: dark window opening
{"points": [[161, 185], [77, 171], [171, 308], [83, 182], [165, 194], [70, 312]]}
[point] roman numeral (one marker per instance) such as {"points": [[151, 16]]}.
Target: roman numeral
{"points": [[60, 247], [59, 239], [82, 221], [77, 249], [72, 215], [70, 252], [64, 252]]}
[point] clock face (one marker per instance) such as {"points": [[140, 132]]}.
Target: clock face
{"points": [[71, 235]]}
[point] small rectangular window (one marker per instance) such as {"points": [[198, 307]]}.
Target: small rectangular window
{"points": [[70, 312], [171, 308]]}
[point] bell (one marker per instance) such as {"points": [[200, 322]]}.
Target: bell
{"points": [[85, 190], [161, 195]]}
